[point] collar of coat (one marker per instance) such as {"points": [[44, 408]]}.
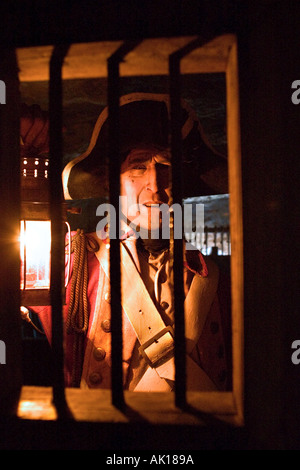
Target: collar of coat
{"points": [[193, 259]]}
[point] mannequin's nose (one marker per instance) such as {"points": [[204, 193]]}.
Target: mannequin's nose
{"points": [[153, 179], [158, 178]]}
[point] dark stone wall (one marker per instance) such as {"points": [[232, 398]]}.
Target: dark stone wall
{"points": [[85, 99]]}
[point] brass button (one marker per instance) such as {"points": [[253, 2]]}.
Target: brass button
{"points": [[107, 297], [99, 354], [95, 378], [106, 326], [165, 305]]}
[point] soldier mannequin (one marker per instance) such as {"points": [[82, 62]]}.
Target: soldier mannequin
{"points": [[146, 273]]}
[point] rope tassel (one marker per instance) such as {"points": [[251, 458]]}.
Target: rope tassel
{"points": [[78, 310], [77, 319]]}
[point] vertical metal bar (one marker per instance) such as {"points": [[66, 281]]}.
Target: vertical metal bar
{"points": [[177, 192], [10, 328], [177, 244], [114, 192], [57, 235], [24, 255], [115, 258]]}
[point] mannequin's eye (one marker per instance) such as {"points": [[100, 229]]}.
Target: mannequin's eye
{"points": [[139, 167], [138, 170]]}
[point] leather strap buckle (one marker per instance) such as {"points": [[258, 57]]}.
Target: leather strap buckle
{"points": [[158, 356]]}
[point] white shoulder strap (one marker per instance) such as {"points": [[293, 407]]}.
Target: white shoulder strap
{"points": [[156, 340]]}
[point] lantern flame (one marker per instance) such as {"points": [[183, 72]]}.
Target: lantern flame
{"points": [[35, 247]]}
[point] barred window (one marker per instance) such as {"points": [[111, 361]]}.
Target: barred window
{"points": [[183, 67]]}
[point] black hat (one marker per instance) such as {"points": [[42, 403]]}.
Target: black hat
{"points": [[145, 123]]}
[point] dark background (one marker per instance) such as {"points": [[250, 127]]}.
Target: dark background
{"points": [[269, 45]]}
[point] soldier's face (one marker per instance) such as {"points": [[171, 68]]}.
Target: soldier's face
{"points": [[145, 185]]}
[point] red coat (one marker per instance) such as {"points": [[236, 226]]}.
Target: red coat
{"points": [[211, 351]]}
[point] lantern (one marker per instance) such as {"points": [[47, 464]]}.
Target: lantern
{"points": [[35, 232]]}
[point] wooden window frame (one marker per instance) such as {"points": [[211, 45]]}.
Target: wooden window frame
{"points": [[217, 55]]}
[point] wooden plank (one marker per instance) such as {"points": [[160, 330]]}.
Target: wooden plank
{"points": [[150, 57], [155, 408], [210, 58], [236, 226]]}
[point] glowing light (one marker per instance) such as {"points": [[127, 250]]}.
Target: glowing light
{"points": [[35, 245]]}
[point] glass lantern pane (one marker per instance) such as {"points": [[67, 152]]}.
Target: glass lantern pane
{"points": [[35, 246]]}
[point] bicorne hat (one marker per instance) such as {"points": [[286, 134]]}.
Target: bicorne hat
{"points": [[145, 123]]}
